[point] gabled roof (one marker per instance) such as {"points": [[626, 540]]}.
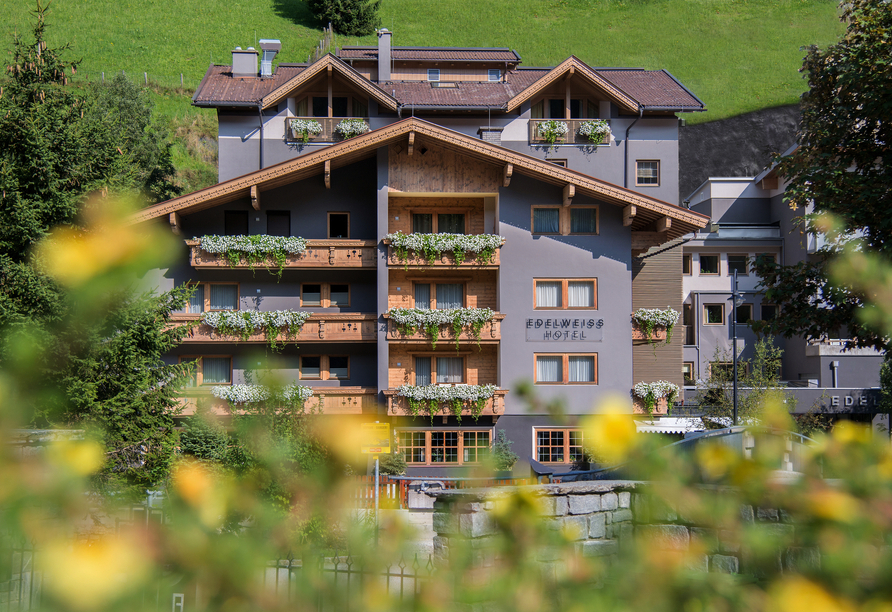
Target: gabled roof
{"points": [[573, 65], [220, 88], [330, 62], [456, 54], [653, 89], [349, 151]]}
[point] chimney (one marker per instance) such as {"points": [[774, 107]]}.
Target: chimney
{"points": [[244, 63], [269, 47], [384, 54]]}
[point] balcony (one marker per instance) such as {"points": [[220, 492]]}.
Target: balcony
{"points": [[328, 133], [571, 137], [639, 336], [490, 334], [320, 254], [398, 405], [320, 327], [330, 400], [446, 260]]}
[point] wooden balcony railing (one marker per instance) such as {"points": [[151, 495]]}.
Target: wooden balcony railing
{"points": [[397, 405], [639, 336], [447, 259], [490, 334], [328, 133], [331, 400], [571, 137], [320, 254], [320, 327]]}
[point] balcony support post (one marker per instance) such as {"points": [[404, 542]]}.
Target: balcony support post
{"points": [[411, 143], [506, 174], [629, 213], [569, 193], [255, 197]]}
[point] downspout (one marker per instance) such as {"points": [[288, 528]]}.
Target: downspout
{"points": [[626, 148], [260, 147]]}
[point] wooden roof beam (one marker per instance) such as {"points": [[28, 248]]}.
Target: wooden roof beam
{"points": [[506, 174], [569, 193], [629, 213], [255, 197], [175, 225], [328, 174], [664, 224], [411, 143]]}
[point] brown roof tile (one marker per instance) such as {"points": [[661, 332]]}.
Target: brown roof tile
{"points": [[465, 93], [652, 88], [433, 54], [219, 87]]}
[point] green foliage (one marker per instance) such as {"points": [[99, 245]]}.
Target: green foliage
{"points": [[348, 17], [203, 437], [503, 458], [394, 463], [844, 167]]}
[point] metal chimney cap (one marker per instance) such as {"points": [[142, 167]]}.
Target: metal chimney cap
{"points": [[237, 49], [270, 44]]}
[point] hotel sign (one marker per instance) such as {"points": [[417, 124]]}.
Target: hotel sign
{"points": [[564, 330]]}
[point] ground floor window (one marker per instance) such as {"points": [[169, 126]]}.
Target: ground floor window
{"points": [[559, 445], [444, 447]]}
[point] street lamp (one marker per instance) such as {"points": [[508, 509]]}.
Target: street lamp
{"points": [[736, 300]]}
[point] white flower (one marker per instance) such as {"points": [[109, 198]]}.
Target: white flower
{"points": [[596, 130], [260, 244], [248, 394], [447, 393], [308, 126], [656, 390], [419, 318], [239, 321], [474, 243], [656, 316], [349, 128]]}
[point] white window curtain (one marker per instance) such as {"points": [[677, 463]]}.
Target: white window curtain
{"points": [[224, 297], [215, 370], [422, 296], [546, 221], [548, 294], [549, 369], [449, 296], [196, 302], [582, 369], [449, 369], [581, 294], [422, 371]]}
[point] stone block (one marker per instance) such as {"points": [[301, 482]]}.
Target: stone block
{"points": [[724, 564], [575, 527], [625, 499], [597, 525], [584, 504], [445, 523], [550, 553], [554, 505], [665, 537], [802, 559], [599, 548], [441, 549], [489, 505], [768, 515], [476, 524], [622, 515], [652, 509], [746, 514], [609, 501], [697, 563]]}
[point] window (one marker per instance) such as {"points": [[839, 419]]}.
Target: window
{"points": [[433, 74], [744, 314], [443, 223], [278, 223], [209, 370], [769, 312], [714, 314], [445, 296], [439, 370], [338, 225], [581, 293], [324, 367], [647, 173], [768, 257], [439, 447], [213, 296], [687, 372], [723, 370], [709, 264], [562, 369], [338, 106], [558, 162], [559, 445], [495, 75], [558, 220], [235, 223], [686, 265], [738, 263], [690, 330], [325, 295]]}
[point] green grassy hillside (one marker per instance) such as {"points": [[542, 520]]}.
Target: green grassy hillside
{"points": [[736, 55]]}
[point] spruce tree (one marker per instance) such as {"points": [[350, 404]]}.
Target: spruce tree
{"points": [[348, 17]]}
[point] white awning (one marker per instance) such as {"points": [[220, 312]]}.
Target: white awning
{"points": [[669, 425]]}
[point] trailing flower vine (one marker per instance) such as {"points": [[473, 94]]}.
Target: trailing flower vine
{"points": [[596, 130], [651, 393], [249, 394], [348, 128], [412, 319], [305, 127], [432, 245], [651, 318], [429, 398], [255, 250], [551, 130], [244, 323]]}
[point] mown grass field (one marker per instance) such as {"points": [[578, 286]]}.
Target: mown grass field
{"points": [[736, 55]]}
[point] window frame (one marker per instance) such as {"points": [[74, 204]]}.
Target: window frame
{"points": [[206, 303], [746, 264], [463, 355], [565, 293], [433, 75], [565, 446], [706, 318], [690, 365], [427, 444], [498, 75], [718, 261], [328, 224], [199, 370], [569, 215], [565, 368], [434, 212], [433, 282], [752, 312], [689, 260], [762, 313], [325, 295], [638, 168], [564, 219], [324, 367]]}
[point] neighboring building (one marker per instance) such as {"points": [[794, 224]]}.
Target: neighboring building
{"points": [[749, 217], [454, 148]]}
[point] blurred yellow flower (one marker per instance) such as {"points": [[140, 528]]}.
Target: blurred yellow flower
{"points": [[82, 458], [797, 593], [715, 459], [201, 490], [612, 434], [91, 575], [834, 505], [848, 432]]}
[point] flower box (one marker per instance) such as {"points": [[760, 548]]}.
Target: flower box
{"points": [[491, 332], [320, 327], [662, 406], [639, 335], [320, 254], [398, 405], [446, 259]]}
